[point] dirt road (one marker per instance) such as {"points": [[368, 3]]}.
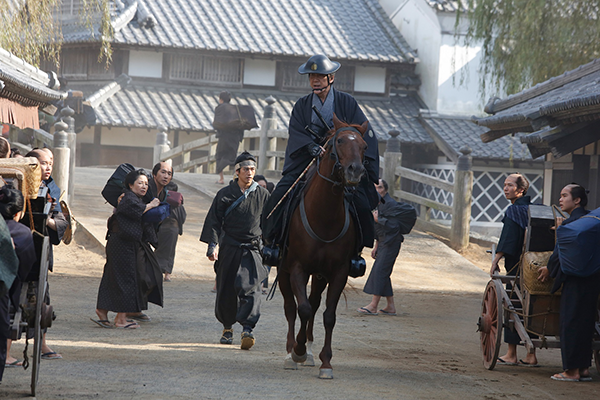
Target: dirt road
{"points": [[429, 351]]}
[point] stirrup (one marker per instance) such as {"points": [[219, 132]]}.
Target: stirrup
{"points": [[270, 255], [358, 267]]}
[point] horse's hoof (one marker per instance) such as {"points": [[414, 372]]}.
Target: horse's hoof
{"points": [[310, 361], [297, 358], [325, 373], [288, 363]]}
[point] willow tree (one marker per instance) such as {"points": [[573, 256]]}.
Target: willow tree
{"points": [[31, 29], [525, 42]]}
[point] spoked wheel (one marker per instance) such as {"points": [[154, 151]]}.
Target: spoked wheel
{"points": [[490, 323], [40, 296]]}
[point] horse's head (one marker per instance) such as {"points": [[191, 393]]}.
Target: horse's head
{"points": [[346, 147]]}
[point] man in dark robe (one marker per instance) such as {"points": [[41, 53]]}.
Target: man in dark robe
{"points": [[229, 139], [510, 247], [303, 146], [233, 222], [392, 221], [9, 266], [172, 226], [57, 225]]}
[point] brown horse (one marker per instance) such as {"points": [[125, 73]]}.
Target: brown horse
{"points": [[322, 241]]}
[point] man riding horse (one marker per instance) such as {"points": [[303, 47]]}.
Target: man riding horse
{"points": [[311, 120]]}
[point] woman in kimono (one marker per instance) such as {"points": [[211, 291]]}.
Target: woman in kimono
{"points": [[120, 287], [578, 301]]}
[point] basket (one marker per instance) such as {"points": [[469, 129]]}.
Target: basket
{"points": [[27, 171], [531, 262]]}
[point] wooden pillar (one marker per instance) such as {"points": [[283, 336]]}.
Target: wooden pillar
{"points": [[547, 191], [62, 157], [66, 115], [392, 158], [461, 205], [161, 145], [95, 157], [268, 122]]}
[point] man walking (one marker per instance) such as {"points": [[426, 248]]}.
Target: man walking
{"points": [[172, 226], [229, 139], [233, 223], [392, 221]]}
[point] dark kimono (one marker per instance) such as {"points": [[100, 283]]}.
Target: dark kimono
{"points": [[168, 230], [511, 244], [239, 265], [129, 280], [297, 158], [578, 308], [229, 139], [25, 250], [9, 266], [392, 222]]}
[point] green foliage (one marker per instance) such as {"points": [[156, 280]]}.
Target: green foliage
{"points": [[525, 42], [31, 31]]}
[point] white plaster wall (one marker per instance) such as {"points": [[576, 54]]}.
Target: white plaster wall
{"points": [[419, 25], [458, 84], [146, 64], [259, 72], [369, 79]]}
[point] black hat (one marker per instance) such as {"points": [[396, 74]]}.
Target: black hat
{"points": [[245, 159], [319, 64]]}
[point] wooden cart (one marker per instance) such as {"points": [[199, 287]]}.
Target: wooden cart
{"points": [[526, 307]]}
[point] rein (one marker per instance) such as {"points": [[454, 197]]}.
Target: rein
{"points": [[337, 165], [312, 233]]}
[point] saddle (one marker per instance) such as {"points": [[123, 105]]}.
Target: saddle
{"points": [[358, 266]]}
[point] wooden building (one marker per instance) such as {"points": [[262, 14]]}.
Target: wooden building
{"points": [[561, 119]]}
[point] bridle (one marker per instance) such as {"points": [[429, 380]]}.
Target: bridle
{"points": [[332, 142]]}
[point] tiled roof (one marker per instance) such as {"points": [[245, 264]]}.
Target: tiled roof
{"points": [[25, 83], [347, 30], [576, 89], [458, 132], [192, 109]]}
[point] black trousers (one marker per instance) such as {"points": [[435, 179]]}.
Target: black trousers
{"points": [[271, 227], [239, 274], [578, 308]]}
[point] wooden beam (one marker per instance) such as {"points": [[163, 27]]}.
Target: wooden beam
{"points": [[421, 177], [401, 194]]}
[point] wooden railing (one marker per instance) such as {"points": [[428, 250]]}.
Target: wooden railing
{"points": [[263, 143], [208, 145], [394, 173]]}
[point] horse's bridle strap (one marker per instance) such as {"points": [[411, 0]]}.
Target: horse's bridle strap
{"points": [[312, 233]]}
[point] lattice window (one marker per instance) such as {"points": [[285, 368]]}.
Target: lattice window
{"points": [[489, 202], [292, 80], [205, 69]]}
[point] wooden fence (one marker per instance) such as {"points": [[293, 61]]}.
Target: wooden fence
{"points": [[270, 159], [462, 189]]}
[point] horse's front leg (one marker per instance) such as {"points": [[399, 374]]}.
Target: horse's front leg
{"points": [[289, 307], [318, 286], [299, 280], [336, 286]]}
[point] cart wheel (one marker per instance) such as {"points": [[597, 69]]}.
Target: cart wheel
{"points": [[490, 323], [40, 296]]}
